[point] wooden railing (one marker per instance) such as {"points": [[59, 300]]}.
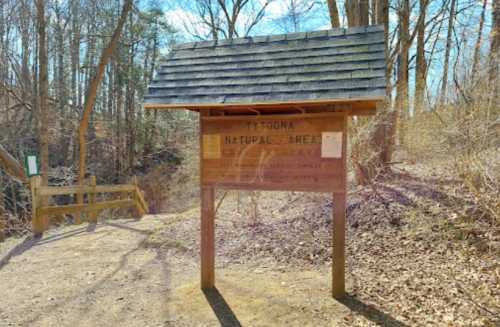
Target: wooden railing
{"points": [[130, 196]]}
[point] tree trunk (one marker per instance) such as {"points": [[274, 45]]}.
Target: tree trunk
{"points": [[451, 20], [92, 89], [25, 45], [130, 100], [495, 41], [334, 13], [352, 12], [43, 111], [477, 47], [119, 112], [402, 82], [364, 13], [357, 12], [421, 65], [11, 166], [494, 64]]}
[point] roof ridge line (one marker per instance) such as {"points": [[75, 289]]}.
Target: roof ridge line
{"points": [[333, 32]]}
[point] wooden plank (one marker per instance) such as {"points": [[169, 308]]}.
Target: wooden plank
{"points": [[339, 218], [281, 152], [207, 238], [257, 104], [92, 215], [207, 216], [141, 200], [78, 208], [36, 217], [358, 106], [338, 262], [276, 116], [138, 208], [274, 187], [77, 189]]}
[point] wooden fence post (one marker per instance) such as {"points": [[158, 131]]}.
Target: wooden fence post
{"points": [[3, 223], [92, 215], [78, 216], [37, 223], [140, 205], [135, 197]]}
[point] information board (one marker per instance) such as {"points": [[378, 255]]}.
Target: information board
{"points": [[299, 152]]}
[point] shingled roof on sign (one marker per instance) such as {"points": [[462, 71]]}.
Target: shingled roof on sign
{"points": [[321, 66]]}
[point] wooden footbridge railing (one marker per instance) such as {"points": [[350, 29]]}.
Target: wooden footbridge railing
{"points": [[130, 196]]}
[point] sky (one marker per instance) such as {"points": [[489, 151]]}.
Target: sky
{"points": [[182, 15]]}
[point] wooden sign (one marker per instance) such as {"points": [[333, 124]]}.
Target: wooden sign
{"points": [[293, 152], [299, 152]]}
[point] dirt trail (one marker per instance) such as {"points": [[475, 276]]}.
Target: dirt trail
{"points": [[413, 259], [114, 274]]}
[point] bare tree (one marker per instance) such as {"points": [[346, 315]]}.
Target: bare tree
{"points": [[92, 89], [43, 110], [494, 69], [357, 12], [12, 166], [446, 63], [421, 64], [477, 47], [495, 41], [334, 13], [225, 18], [296, 12], [402, 68]]}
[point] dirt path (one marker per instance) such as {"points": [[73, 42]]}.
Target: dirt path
{"points": [[115, 275], [413, 259]]}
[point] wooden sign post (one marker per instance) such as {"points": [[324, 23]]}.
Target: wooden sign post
{"points": [[273, 115], [292, 152]]}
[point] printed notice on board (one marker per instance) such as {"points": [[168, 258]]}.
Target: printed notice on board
{"points": [[331, 145], [211, 146]]}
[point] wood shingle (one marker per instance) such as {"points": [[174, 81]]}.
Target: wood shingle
{"points": [[325, 66]]}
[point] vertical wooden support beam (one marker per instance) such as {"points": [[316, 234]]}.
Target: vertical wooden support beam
{"points": [[207, 194], [339, 222], [338, 270], [92, 215], [207, 237], [36, 220]]}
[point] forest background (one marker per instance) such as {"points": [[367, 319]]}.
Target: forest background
{"points": [[442, 104]]}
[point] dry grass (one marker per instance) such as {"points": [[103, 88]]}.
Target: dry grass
{"points": [[467, 136]]}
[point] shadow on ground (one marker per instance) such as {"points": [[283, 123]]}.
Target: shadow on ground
{"points": [[370, 312], [19, 249], [222, 310]]}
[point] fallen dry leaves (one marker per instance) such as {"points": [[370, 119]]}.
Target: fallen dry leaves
{"points": [[414, 251]]}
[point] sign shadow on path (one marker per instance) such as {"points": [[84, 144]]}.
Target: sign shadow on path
{"points": [[222, 310], [370, 312]]}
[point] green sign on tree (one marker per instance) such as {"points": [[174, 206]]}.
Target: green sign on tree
{"points": [[32, 165]]}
